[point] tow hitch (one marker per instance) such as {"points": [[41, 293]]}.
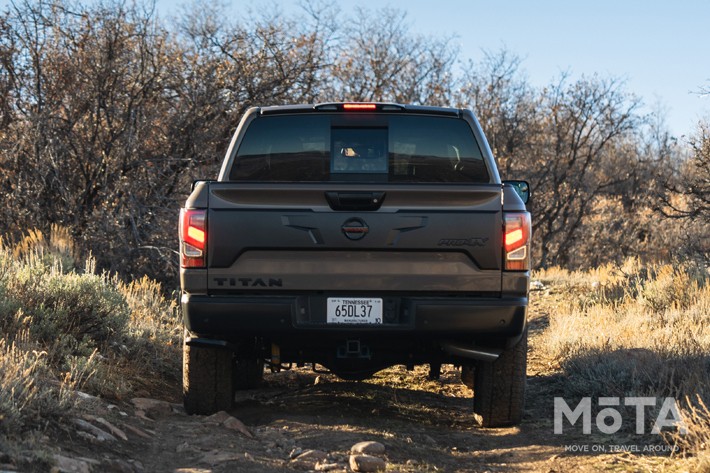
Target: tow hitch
{"points": [[354, 349]]}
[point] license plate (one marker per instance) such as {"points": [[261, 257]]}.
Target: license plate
{"points": [[354, 310]]}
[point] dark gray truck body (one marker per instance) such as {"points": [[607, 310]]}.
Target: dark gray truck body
{"points": [[429, 255]]}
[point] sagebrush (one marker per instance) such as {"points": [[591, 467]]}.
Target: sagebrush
{"points": [[66, 328]]}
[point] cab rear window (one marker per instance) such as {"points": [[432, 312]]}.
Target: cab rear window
{"points": [[373, 148]]}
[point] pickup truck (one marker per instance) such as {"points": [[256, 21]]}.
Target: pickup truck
{"points": [[355, 237]]}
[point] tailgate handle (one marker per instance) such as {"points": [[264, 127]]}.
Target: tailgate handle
{"points": [[355, 200]]}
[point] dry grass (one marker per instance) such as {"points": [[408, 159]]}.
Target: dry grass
{"points": [[636, 330], [694, 445]]}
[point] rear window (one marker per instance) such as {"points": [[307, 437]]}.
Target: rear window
{"points": [[371, 148]]}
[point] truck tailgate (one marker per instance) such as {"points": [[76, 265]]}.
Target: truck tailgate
{"points": [[412, 238]]}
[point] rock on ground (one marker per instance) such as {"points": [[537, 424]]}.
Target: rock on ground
{"points": [[64, 464], [370, 447], [153, 408], [223, 418], [366, 463], [309, 459], [99, 434]]}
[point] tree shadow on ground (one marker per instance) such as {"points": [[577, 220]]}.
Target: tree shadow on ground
{"points": [[435, 425]]}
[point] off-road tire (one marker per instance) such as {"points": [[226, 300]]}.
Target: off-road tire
{"points": [[207, 383], [248, 372], [499, 387], [467, 375]]}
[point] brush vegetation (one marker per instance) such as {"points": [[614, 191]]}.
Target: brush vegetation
{"points": [[630, 330], [634, 330], [65, 329]]}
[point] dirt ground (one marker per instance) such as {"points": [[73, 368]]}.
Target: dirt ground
{"points": [[425, 425]]}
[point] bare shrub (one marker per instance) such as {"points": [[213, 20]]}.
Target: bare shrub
{"points": [[381, 60]]}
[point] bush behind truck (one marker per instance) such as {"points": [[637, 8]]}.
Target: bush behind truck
{"points": [[356, 236]]}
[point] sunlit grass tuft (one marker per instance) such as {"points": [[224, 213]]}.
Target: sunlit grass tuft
{"points": [[635, 330]]}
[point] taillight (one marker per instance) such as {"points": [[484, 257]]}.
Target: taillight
{"points": [[193, 238], [516, 241]]}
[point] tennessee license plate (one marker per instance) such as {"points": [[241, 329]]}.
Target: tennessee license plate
{"points": [[354, 310]]}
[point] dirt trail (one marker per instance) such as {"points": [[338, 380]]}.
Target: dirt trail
{"points": [[422, 429], [425, 426]]}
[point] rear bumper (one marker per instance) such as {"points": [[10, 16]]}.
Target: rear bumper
{"points": [[470, 318]]}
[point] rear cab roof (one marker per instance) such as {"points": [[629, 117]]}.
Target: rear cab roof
{"points": [[380, 107]]}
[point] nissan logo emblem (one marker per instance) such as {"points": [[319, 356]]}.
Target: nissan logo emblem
{"points": [[355, 229]]}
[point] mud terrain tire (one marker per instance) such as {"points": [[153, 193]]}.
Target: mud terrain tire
{"points": [[207, 383], [499, 387]]}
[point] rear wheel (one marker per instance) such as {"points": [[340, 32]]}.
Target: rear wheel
{"points": [[207, 383], [467, 375], [499, 387], [248, 372]]}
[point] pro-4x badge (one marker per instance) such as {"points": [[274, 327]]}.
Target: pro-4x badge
{"points": [[476, 241]]}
